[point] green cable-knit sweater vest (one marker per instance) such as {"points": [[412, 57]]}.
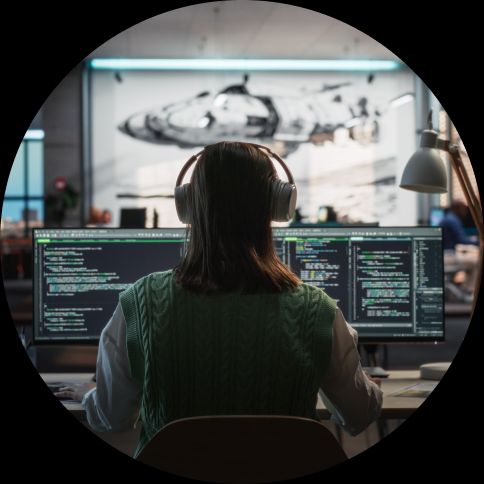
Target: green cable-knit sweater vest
{"points": [[225, 354]]}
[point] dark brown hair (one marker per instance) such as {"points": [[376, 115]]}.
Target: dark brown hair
{"points": [[230, 245]]}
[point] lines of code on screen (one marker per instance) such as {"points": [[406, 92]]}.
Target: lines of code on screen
{"points": [[388, 282], [79, 281], [382, 281]]}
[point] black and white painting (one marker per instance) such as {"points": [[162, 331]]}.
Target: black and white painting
{"points": [[343, 136], [235, 113]]}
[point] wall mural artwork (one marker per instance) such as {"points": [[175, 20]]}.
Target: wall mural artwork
{"points": [[234, 113], [340, 134]]}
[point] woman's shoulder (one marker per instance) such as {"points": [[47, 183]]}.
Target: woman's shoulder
{"points": [[154, 279], [304, 287], [313, 293]]}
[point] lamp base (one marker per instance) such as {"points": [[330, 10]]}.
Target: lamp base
{"points": [[433, 371]]}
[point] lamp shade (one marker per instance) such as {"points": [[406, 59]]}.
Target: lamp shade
{"points": [[425, 171]]}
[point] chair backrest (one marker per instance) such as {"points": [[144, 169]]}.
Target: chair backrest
{"points": [[243, 448]]}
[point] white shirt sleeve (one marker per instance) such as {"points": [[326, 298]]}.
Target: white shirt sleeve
{"points": [[352, 398], [113, 406]]}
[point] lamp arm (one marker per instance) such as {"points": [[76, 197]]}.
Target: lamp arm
{"points": [[475, 209], [471, 197]]}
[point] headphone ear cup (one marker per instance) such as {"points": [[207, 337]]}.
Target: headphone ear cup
{"points": [[182, 194], [284, 197]]}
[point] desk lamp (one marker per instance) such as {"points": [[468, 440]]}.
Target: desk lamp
{"points": [[425, 172]]}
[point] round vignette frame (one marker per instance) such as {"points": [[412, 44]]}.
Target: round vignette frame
{"points": [[427, 403]]}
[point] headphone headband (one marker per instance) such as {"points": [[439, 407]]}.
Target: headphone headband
{"points": [[194, 158], [284, 194]]}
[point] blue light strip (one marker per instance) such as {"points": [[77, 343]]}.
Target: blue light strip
{"points": [[34, 134], [244, 64]]}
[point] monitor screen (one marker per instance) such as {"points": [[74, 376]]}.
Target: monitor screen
{"points": [[436, 215], [388, 282], [133, 218], [323, 214], [79, 273]]}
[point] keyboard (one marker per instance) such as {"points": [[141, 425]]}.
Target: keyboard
{"points": [[55, 387]]}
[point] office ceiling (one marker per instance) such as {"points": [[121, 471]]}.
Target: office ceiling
{"points": [[243, 29]]}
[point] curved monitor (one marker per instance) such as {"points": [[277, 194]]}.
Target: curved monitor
{"points": [[388, 282]]}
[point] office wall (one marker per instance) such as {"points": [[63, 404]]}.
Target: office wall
{"points": [[61, 119], [146, 124]]}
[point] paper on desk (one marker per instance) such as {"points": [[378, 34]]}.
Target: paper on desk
{"points": [[419, 390]]}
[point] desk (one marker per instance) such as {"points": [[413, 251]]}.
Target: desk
{"points": [[393, 407]]}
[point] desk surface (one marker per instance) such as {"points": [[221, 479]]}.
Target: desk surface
{"points": [[393, 406]]}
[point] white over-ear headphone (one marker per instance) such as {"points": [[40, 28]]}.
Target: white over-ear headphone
{"points": [[284, 194]]}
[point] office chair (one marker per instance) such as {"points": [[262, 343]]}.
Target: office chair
{"points": [[243, 448]]}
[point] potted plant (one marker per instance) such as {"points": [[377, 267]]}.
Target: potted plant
{"points": [[64, 198]]}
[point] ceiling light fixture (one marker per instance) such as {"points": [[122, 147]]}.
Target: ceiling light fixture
{"points": [[245, 64]]}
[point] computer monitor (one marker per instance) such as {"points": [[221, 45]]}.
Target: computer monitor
{"points": [[388, 282], [79, 273], [436, 215], [133, 218]]}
